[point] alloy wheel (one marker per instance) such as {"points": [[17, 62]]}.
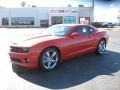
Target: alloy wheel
{"points": [[101, 47], [50, 59]]}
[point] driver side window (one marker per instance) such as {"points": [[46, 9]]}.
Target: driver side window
{"points": [[82, 30]]}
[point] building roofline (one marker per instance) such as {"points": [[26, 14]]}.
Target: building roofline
{"points": [[41, 7]]}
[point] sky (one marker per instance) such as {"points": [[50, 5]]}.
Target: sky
{"points": [[105, 10]]}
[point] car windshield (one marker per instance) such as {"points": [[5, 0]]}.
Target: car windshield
{"points": [[57, 30]]}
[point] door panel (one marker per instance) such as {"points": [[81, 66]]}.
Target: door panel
{"points": [[80, 44]]}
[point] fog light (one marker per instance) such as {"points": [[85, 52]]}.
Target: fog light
{"points": [[27, 60]]}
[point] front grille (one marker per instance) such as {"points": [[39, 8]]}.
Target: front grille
{"points": [[15, 59], [16, 49]]}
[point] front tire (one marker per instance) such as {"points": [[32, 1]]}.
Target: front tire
{"points": [[101, 48], [49, 59]]}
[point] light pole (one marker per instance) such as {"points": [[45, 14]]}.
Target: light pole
{"points": [[93, 6], [118, 17], [93, 3], [118, 20]]}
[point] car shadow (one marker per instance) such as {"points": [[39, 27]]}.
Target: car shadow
{"points": [[73, 72]]}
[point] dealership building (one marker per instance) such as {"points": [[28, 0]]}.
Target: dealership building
{"points": [[45, 16]]}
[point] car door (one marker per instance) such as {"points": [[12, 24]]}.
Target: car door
{"points": [[81, 43]]}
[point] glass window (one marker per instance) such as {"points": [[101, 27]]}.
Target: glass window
{"points": [[44, 23], [91, 30], [72, 19], [82, 30], [69, 19], [66, 19], [57, 30], [22, 21], [57, 20], [5, 21]]}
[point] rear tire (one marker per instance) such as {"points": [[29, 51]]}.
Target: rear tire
{"points": [[49, 59], [101, 48]]}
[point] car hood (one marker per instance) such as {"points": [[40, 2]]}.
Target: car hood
{"points": [[30, 40]]}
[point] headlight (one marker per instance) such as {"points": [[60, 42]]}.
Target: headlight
{"points": [[25, 50], [19, 49]]}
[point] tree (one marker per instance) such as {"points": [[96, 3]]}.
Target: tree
{"points": [[69, 5], [23, 3], [80, 5], [118, 17], [34, 6]]}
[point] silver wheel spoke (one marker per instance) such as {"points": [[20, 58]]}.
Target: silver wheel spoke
{"points": [[54, 54], [102, 43], [45, 57], [49, 63], [48, 54], [45, 61], [101, 47], [54, 61]]}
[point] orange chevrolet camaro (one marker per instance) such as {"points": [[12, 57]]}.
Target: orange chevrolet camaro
{"points": [[56, 44]]}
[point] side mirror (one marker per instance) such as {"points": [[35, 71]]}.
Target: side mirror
{"points": [[74, 34]]}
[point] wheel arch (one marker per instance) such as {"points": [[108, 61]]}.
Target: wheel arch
{"points": [[56, 48]]}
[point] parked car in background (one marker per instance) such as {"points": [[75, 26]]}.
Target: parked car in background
{"points": [[57, 44], [97, 24], [103, 24], [108, 25]]}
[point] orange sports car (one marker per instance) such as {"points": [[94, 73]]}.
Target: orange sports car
{"points": [[56, 44]]}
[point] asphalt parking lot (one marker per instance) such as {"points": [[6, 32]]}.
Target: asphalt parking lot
{"points": [[88, 72]]}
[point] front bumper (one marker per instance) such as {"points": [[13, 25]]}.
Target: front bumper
{"points": [[24, 60]]}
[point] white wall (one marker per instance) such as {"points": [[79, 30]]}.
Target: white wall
{"points": [[86, 12], [37, 13], [42, 13], [26, 12]]}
